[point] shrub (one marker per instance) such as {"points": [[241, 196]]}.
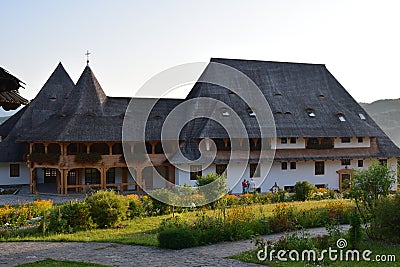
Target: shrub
{"points": [[355, 231], [283, 218], [136, 208], [177, 238], [368, 187], [67, 218], [212, 186], [107, 209], [303, 191], [385, 224]]}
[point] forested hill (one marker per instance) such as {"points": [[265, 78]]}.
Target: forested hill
{"points": [[387, 114]]}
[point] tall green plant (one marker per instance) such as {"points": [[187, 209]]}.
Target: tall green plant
{"points": [[369, 186], [212, 186]]}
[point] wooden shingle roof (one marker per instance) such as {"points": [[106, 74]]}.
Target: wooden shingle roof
{"points": [[9, 96], [50, 99]]}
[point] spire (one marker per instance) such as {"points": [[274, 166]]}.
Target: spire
{"points": [[87, 57], [87, 96]]}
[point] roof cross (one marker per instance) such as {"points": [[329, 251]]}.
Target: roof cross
{"points": [[87, 57]]}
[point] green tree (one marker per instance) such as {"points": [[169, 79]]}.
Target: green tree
{"points": [[212, 186], [303, 190], [369, 186]]}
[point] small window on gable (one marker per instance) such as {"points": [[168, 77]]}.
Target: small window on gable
{"points": [[283, 140], [310, 112], [225, 112], [360, 139], [157, 117], [284, 165], [345, 139], [360, 163], [293, 165], [251, 112], [346, 162], [341, 117], [293, 140], [362, 116]]}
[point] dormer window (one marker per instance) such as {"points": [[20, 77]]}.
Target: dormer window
{"points": [[251, 112], [362, 116], [341, 117], [232, 94], [53, 99], [278, 94], [321, 96], [288, 113], [310, 112], [157, 117], [225, 112]]}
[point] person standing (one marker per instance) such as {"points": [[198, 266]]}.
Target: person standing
{"points": [[252, 186], [244, 186]]}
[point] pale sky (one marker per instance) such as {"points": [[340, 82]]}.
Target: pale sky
{"points": [[131, 41]]}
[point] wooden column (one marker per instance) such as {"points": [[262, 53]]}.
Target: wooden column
{"points": [[45, 147], [30, 147], [103, 178], [138, 178], [124, 179], [32, 181], [110, 145]]}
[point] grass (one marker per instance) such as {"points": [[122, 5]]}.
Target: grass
{"points": [[143, 231], [377, 248], [55, 263]]}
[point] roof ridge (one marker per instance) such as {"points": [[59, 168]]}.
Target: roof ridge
{"points": [[215, 59]]}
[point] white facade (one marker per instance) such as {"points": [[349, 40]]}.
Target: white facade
{"points": [[305, 171], [7, 179]]}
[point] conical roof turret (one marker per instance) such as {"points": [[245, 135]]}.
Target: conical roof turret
{"points": [[87, 97]]}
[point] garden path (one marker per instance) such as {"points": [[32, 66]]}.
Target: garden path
{"points": [[14, 253]]}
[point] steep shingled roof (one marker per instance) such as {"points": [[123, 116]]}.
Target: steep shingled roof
{"points": [[49, 101], [89, 115], [86, 97], [292, 90], [9, 96]]}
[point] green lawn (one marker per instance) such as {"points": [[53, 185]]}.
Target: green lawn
{"points": [[143, 231], [54, 263], [377, 248]]}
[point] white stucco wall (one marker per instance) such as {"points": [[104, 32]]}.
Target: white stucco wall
{"points": [[305, 171], [5, 178], [353, 143], [300, 143]]}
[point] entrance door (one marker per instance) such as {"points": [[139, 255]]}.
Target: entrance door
{"points": [[345, 181], [50, 176]]}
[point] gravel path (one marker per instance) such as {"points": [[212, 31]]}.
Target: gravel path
{"points": [[14, 253]]}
